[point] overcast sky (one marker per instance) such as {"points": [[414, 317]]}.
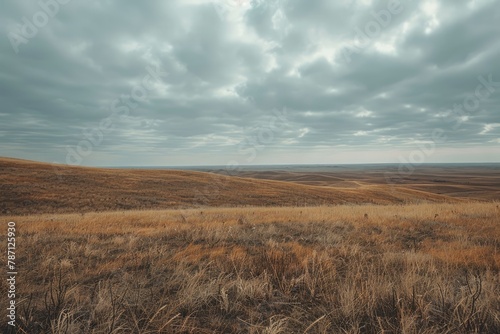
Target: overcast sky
{"points": [[193, 82]]}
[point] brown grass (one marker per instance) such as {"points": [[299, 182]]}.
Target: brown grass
{"points": [[29, 187], [426, 268], [474, 182]]}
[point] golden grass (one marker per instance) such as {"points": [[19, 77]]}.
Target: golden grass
{"points": [[422, 268], [33, 188]]}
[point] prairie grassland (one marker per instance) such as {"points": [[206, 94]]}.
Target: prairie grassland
{"points": [[423, 268], [30, 187]]}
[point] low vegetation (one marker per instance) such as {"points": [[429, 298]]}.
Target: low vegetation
{"points": [[421, 268], [29, 187]]}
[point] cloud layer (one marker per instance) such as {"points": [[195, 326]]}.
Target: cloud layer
{"points": [[279, 81]]}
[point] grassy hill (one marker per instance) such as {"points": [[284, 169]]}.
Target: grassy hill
{"points": [[259, 256], [29, 187]]}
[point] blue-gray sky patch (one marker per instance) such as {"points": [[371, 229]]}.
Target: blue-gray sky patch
{"points": [[200, 82]]}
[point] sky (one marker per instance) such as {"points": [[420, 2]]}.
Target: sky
{"points": [[241, 82]]}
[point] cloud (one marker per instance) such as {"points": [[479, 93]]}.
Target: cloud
{"points": [[231, 65]]}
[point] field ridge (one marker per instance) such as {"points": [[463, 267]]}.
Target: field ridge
{"points": [[30, 187]]}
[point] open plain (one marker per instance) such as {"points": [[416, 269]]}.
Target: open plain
{"points": [[161, 251]]}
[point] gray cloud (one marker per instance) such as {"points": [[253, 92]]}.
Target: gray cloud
{"points": [[230, 66]]}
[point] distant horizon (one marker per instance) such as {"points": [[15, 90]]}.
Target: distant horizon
{"points": [[308, 164], [270, 164], [204, 82]]}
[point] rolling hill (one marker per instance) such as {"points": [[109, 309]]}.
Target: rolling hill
{"points": [[29, 187]]}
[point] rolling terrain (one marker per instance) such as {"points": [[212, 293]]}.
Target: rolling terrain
{"points": [[29, 187], [475, 182], [165, 251]]}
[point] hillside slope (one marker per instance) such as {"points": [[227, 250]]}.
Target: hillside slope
{"points": [[28, 187]]}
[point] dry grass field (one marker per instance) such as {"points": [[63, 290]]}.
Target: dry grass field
{"points": [[476, 182], [29, 187], [426, 263], [425, 268]]}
